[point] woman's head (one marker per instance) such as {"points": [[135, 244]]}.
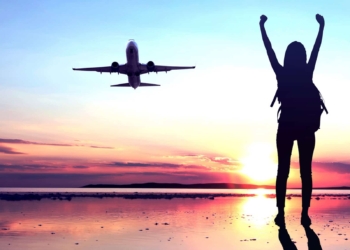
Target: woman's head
{"points": [[295, 56]]}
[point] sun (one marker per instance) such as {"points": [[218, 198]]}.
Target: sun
{"points": [[258, 163]]}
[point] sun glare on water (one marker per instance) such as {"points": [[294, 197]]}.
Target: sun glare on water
{"points": [[258, 163], [259, 208]]}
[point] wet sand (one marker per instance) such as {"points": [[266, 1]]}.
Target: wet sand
{"points": [[166, 221], [8, 196]]}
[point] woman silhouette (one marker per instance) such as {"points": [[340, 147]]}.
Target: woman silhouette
{"points": [[294, 79]]}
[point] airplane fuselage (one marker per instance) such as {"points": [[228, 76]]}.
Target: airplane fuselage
{"points": [[132, 58]]}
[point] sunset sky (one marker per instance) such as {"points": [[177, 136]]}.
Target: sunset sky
{"points": [[63, 128]]}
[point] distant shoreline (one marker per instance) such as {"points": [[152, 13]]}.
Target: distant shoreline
{"points": [[199, 186]]}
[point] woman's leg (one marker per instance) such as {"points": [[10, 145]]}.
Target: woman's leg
{"points": [[284, 149], [306, 145]]}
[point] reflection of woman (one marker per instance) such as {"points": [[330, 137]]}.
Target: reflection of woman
{"points": [[296, 73]]}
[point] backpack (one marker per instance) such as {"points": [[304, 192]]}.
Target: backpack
{"points": [[302, 105]]}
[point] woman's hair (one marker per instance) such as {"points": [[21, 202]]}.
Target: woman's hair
{"points": [[295, 56]]}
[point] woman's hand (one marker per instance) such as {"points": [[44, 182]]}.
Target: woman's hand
{"points": [[263, 19], [320, 19]]}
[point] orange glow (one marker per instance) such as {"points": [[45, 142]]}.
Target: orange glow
{"points": [[255, 164], [258, 163]]}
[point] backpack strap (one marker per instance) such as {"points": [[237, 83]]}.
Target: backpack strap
{"points": [[274, 99], [321, 97], [278, 111], [273, 102], [324, 106]]}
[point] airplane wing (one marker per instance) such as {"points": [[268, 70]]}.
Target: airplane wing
{"points": [[160, 68], [121, 69]]}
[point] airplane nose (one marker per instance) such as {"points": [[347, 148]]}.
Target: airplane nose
{"points": [[132, 44]]}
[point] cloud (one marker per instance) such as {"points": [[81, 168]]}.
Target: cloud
{"points": [[28, 167], [216, 159], [225, 160], [101, 147], [140, 164], [23, 166], [195, 167], [157, 165], [7, 150], [80, 167], [19, 141], [188, 156], [337, 167]]}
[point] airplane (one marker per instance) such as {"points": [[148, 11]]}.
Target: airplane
{"points": [[133, 69]]}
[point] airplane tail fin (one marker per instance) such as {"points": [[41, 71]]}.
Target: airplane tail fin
{"points": [[143, 84], [121, 85]]}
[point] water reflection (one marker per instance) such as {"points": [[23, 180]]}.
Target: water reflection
{"points": [[109, 223]]}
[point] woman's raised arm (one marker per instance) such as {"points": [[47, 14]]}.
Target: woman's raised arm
{"points": [[317, 45], [270, 53]]}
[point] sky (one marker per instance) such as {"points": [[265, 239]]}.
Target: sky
{"points": [[64, 128]]}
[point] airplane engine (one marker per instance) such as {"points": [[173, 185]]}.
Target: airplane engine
{"points": [[150, 66], [115, 66]]}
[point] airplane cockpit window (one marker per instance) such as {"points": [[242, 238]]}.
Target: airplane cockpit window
{"points": [[131, 51]]}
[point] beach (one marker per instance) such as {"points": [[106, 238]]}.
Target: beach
{"points": [[210, 221]]}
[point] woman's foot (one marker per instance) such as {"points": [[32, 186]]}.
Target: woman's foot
{"points": [[305, 220], [279, 220]]}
